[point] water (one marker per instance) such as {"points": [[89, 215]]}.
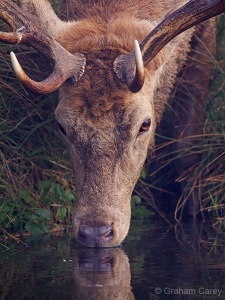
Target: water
{"points": [[155, 262]]}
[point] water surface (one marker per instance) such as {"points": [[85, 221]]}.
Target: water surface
{"points": [[156, 261]]}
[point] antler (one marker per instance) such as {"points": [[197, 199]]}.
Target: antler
{"points": [[28, 30], [194, 12]]}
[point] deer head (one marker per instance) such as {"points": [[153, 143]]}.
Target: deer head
{"points": [[112, 92]]}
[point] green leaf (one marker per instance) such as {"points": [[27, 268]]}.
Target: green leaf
{"points": [[2, 218], [56, 191], [68, 196], [46, 200], [61, 212], [33, 217], [143, 173], [135, 200], [44, 186], [141, 212], [25, 195], [18, 225], [33, 228], [43, 213], [45, 228], [8, 209]]}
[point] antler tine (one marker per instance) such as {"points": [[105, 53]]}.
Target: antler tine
{"points": [[28, 30], [48, 85], [130, 68], [182, 19]]}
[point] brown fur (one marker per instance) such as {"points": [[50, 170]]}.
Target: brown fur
{"points": [[100, 117]]}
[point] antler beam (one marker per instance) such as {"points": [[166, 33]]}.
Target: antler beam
{"points": [[191, 14], [194, 12]]}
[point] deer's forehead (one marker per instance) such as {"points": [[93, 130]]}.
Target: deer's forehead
{"points": [[99, 94], [99, 91], [95, 108], [93, 102], [121, 116], [99, 105]]}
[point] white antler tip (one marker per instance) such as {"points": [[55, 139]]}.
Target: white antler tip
{"points": [[138, 56], [16, 66]]}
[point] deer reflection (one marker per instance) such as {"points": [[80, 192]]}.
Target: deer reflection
{"points": [[102, 274]]}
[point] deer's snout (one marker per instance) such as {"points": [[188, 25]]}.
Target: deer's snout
{"points": [[95, 236]]}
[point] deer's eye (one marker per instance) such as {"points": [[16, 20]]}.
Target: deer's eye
{"points": [[71, 80], [61, 129], [145, 126]]}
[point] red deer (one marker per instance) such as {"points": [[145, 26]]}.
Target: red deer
{"points": [[115, 64]]}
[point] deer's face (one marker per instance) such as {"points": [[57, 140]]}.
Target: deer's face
{"points": [[106, 108], [108, 132]]}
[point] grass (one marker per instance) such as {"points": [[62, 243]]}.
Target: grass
{"points": [[208, 177], [36, 187], [34, 163]]}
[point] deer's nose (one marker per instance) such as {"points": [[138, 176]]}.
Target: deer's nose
{"points": [[95, 236]]}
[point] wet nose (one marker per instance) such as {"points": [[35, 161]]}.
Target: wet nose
{"points": [[95, 236]]}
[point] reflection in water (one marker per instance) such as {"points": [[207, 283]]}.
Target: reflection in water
{"points": [[183, 262], [102, 274]]}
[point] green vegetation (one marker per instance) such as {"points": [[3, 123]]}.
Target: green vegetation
{"points": [[36, 189], [36, 184], [23, 212]]}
